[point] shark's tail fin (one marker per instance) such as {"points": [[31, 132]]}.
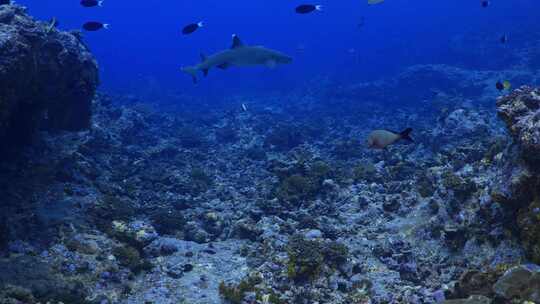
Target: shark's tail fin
{"points": [[406, 134], [191, 71]]}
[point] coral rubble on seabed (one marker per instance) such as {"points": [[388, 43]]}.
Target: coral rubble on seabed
{"points": [[155, 207]]}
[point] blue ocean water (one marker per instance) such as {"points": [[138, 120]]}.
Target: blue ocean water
{"points": [[144, 46]]}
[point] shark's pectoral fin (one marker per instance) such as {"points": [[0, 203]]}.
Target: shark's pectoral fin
{"points": [[271, 64], [205, 72], [236, 42], [192, 71], [224, 66]]}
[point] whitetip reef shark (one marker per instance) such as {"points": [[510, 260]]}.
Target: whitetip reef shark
{"points": [[238, 55]]}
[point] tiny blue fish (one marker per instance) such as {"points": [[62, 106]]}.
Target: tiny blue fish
{"points": [[91, 3], [93, 26], [190, 28], [308, 8]]}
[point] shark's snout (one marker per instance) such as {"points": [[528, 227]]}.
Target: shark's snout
{"points": [[283, 59]]}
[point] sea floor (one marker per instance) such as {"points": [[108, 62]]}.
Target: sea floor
{"points": [[200, 202]]}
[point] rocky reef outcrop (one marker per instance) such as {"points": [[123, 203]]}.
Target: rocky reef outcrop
{"points": [[520, 110], [517, 192], [47, 77]]}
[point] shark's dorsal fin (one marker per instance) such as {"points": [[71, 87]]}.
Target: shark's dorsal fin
{"points": [[236, 42], [203, 57]]}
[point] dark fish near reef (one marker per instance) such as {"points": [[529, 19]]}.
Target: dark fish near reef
{"points": [[499, 86], [91, 3], [380, 139], [3, 2], [238, 55], [308, 8], [504, 39], [93, 26], [484, 3], [188, 29], [505, 85]]}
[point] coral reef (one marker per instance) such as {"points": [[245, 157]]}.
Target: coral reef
{"points": [[28, 278], [305, 259], [204, 203], [284, 137], [520, 111], [130, 257], [516, 191], [47, 77]]}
